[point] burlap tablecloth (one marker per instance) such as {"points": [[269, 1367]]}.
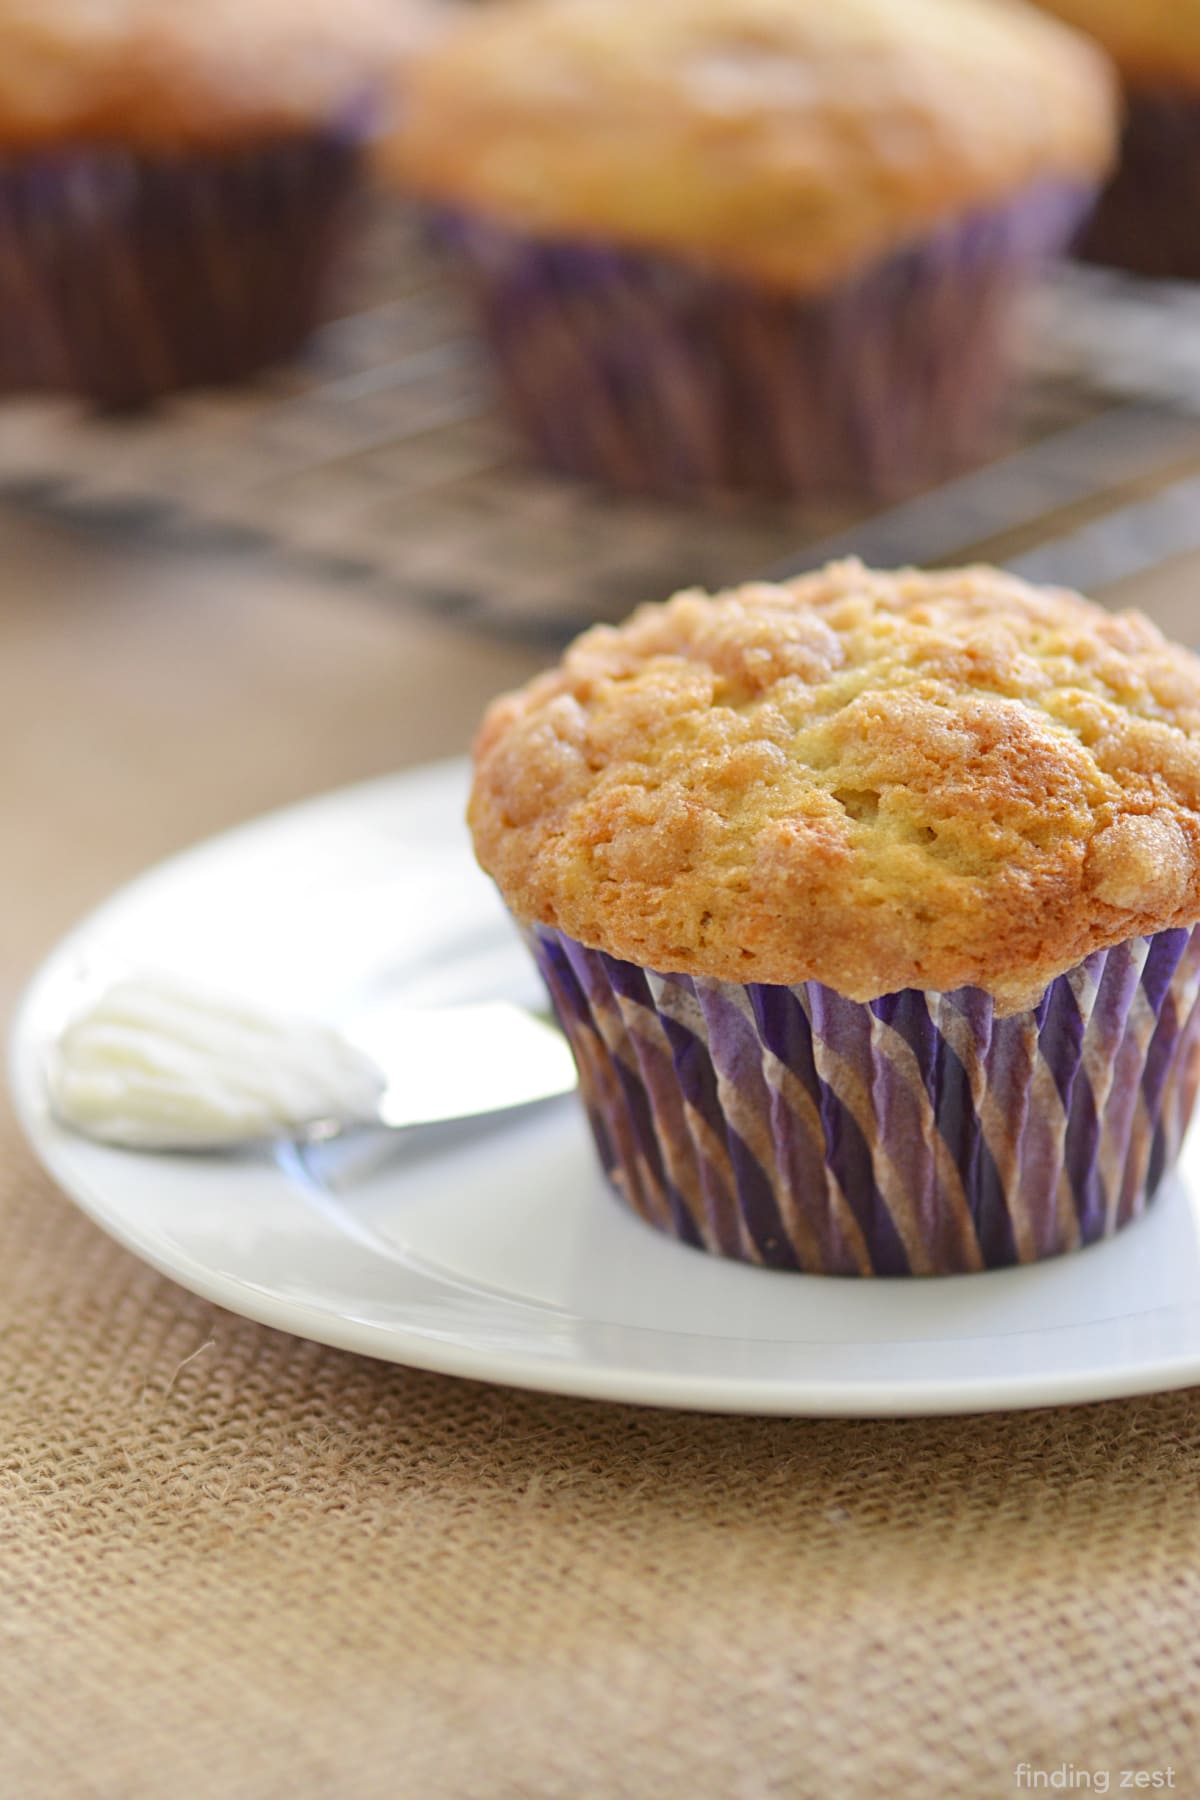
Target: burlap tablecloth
{"points": [[236, 1564]]}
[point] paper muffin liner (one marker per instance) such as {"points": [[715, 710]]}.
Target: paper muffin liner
{"points": [[125, 275], [918, 1134], [1148, 218], [653, 376]]}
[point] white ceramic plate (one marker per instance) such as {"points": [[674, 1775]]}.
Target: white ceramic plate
{"points": [[493, 1250]]}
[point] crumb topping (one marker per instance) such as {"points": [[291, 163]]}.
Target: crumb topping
{"points": [[877, 780]]}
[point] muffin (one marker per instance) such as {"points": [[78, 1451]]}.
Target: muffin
{"points": [[765, 245], [867, 903], [1148, 218], [175, 183]]}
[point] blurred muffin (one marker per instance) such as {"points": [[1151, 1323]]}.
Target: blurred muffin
{"points": [[867, 904], [175, 181], [755, 244], [1148, 218]]}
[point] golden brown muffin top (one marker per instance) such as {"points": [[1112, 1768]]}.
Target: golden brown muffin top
{"points": [[878, 781], [1156, 42], [165, 74], [791, 140]]}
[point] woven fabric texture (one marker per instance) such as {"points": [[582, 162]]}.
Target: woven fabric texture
{"points": [[241, 1566]]}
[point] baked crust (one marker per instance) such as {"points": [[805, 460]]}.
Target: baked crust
{"points": [[1152, 41], [166, 74], [875, 780], [790, 140]]}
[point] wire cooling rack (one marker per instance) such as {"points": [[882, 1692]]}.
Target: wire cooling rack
{"points": [[383, 459]]}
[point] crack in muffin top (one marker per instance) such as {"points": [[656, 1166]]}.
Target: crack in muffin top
{"points": [[875, 780]]}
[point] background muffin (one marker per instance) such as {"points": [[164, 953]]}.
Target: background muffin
{"points": [[766, 244], [175, 181], [867, 904], [1148, 219]]}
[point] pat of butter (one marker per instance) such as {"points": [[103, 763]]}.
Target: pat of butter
{"points": [[157, 1063]]}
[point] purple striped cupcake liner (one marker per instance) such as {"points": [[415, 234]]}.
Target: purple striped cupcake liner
{"points": [[654, 376], [127, 275], [1148, 217], [918, 1134]]}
